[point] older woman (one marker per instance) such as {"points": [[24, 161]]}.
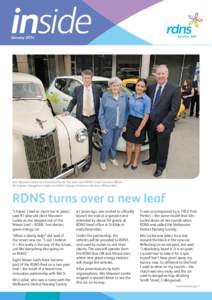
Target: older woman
{"points": [[113, 115], [139, 109]]}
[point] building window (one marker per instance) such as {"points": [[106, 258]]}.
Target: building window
{"points": [[189, 68], [43, 67], [180, 66], [174, 63], [83, 62], [103, 65], [128, 66]]}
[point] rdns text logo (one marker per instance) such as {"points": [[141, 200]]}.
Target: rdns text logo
{"points": [[187, 30], [51, 23]]}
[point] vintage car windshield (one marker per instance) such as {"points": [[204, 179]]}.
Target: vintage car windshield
{"points": [[27, 91]]}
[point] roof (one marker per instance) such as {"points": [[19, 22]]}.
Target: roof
{"points": [[130, 80], [23, 77], [27, 78]]}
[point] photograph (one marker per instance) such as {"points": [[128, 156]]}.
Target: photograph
{"points": [[105, 150], [106, 116]]}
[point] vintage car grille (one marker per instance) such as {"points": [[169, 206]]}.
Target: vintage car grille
{"points": [[43, 155]]}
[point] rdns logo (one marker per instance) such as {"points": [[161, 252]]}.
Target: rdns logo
{"points": [[51, 23], [179, 29], [186, 30]]}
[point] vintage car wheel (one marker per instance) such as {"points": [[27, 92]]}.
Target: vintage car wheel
{"points": [[97, 138]]}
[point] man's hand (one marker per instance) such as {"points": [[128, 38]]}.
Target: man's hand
{"points": [[160, 128], [65, 113]]}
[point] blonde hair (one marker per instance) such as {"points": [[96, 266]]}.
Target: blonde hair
{"points": [[114, 80]]}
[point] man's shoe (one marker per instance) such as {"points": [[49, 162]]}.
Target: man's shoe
{"points": [[86, 168], [158, 173], [148, 162]]}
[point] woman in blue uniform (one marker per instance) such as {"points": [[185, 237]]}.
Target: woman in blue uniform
{"points": [[135, 134]]}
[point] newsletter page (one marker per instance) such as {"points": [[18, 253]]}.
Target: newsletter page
{"points": [[105, 150]]}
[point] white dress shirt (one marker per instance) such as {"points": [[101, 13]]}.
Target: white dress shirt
{"points": [[92, 109]]}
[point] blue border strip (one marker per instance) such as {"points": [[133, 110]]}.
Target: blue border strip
{"points": [[161, 296], [105, 296]]}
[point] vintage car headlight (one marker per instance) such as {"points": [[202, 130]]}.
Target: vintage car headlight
{"points": [[81, 135]]}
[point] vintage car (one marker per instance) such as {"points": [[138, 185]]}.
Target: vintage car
{"points": [[60, 93], [44, 146]]}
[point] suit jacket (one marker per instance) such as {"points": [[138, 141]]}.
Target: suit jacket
{"points": [[168, 106], [78, 100]]}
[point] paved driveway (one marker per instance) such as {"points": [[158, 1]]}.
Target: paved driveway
{"points": [[183, 161]]}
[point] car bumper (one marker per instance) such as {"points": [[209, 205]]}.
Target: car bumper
{"points": [[75, 169]]}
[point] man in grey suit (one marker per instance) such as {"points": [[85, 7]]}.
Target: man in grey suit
{"points": [[87, 99], [165, 105]]}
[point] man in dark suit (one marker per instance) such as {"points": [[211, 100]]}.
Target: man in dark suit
{"points": [[165, 105], [87, 99]]}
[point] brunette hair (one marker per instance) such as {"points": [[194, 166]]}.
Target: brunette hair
{"points": [[142, 80], [188, 82], [87, 72]]}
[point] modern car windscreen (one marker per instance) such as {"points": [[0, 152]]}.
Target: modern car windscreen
{"points": [[131, 86], [66, 85], [103, 84], [27, 90]]}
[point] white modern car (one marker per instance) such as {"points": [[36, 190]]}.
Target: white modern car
{"points": [[61, 90], [44, 146], [60, 93]]}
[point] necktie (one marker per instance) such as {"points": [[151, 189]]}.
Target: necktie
{"points": [[156, 100], [87, 104], [157, 96]]}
